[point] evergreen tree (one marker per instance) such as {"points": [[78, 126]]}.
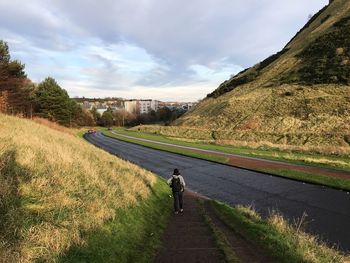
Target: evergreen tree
{"points": [[14, 97], [107, 118], [52, 102]]}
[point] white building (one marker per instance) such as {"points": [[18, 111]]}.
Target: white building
{"points": [[141, 106], [146, 106], [101, 111], [132, 106]]}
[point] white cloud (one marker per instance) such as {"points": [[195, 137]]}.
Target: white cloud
{"points": [[178, 48]]}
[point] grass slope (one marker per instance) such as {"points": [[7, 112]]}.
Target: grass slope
{"points": [[64, 200], [299, 96]]}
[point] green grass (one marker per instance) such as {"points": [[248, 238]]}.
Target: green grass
{"points": [[220, 238], [80, 133], [279, 239], [334, 182], [133, 236], [185, 152], [331, 162]]}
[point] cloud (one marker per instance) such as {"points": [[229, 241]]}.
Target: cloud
{"points": [[116, 46]]}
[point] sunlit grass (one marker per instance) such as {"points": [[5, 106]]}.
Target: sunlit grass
{"points": [[55, 189]]}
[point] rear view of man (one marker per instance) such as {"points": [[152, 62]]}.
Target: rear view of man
{"points": [[177, 184]]}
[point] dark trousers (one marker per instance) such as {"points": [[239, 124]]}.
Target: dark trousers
{"points": [[177, 201]]}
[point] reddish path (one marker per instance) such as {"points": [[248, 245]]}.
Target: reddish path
{"points": [[253, 163], [257, 164]]}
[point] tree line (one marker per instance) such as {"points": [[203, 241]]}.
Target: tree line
{"points": [[124, 118], [19, 96]]}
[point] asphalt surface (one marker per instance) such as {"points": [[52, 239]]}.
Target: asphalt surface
{"points": [[328, 210]]}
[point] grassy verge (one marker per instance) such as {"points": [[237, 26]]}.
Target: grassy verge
{"points": [[185, 152], [133, 236], [80, 133], [220, 239], [284, 242], [335, 182], [62, 199], [313, 159]]}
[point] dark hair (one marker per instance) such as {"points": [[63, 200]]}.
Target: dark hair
{"points": [[176, 171]]}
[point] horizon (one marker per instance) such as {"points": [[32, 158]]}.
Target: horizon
{"points": [[175, 51], [129, 99]]}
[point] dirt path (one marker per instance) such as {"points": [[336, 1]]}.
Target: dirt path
{"points": [[188, 238], [253, 163], [244, 250]]}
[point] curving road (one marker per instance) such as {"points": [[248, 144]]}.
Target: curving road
{"points": [[328, 210]]}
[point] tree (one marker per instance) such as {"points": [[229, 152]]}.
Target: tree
{"points": [[107, 118], [85, 118], [95, 114], [121, 117], [164, 114], [14, 98], [52, 102], [4, 52]]}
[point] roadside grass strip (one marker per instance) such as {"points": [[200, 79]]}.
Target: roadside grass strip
{"points": [[220, 238], [203, 156], [340, 162], [335, 182], [283, 241]]}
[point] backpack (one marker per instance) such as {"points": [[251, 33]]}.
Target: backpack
{"points": [[176, 184]]}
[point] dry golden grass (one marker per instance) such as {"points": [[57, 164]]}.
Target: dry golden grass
{"points": [[52, 125], [312, 249], [190, 134], [54, 186]]}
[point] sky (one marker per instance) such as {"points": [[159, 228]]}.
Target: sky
{"points": [[170, 50]]}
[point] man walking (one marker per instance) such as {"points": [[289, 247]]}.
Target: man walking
{"points": [[177, 184]]}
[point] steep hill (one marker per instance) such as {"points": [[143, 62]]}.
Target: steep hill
{"points": [[64, 200], [299, 96]]}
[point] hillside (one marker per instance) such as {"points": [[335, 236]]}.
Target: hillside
{"points": [[64, 200], [299, 96]]}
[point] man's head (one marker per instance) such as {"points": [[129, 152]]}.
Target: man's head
{"points": [[176, 171]]}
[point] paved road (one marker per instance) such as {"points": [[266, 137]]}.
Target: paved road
{"points": [[328, 210]]}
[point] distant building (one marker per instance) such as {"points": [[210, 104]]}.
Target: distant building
{"points": [[141, 106], [86, 105], [146, 106], [187, 106], [101, 111], [132, 106]]}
